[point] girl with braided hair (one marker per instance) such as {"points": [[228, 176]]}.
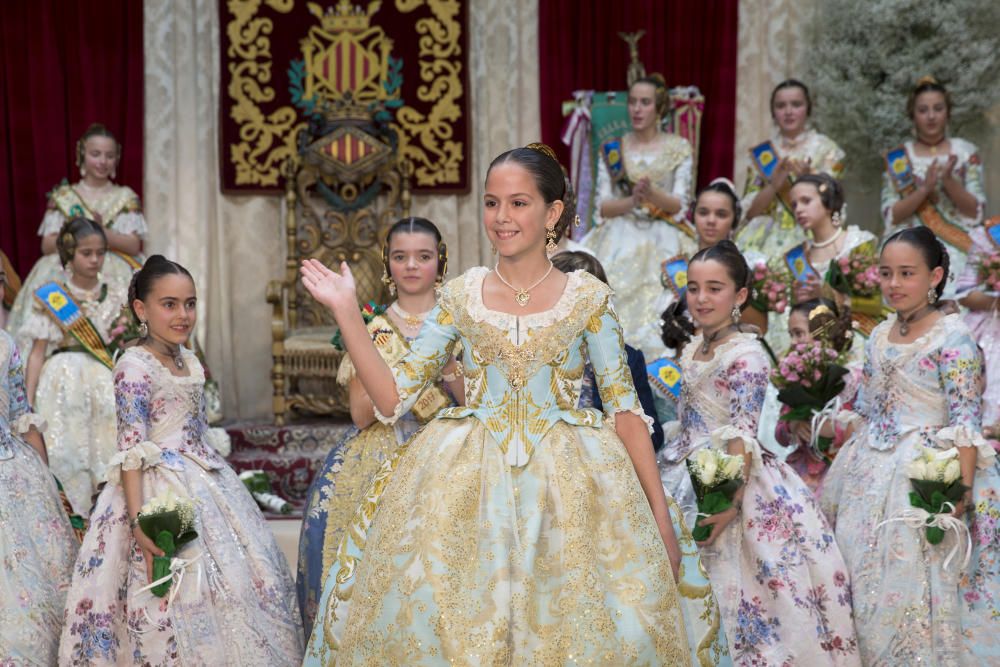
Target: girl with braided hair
{"points": [[415, 259], [231, 599], [770, 557]]}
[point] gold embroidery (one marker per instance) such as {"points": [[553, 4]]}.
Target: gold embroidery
{"points": [[267, 142]]}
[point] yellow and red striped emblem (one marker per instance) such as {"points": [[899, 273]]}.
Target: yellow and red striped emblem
{"points": [[346, 66]]}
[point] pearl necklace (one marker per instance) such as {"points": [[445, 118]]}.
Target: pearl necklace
{"points": [[832, 239], [411, 320], [522, 296]]}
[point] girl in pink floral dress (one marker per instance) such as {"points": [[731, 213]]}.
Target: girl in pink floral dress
{"points": [[235, 602], [780, 581]]}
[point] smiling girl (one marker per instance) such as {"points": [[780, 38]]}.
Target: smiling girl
{"points": [[771, 559], [116, 208], [499, 508], [233, 603]]}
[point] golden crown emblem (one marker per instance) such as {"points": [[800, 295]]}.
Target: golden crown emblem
{"points": [[345, 16]]}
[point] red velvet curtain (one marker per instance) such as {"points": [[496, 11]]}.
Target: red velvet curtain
{"points": [[690, 43], [63, 66]]}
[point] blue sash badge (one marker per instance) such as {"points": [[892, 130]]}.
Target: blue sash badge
{"points": [[799, 264], [665, 375], [673, 275], [60, 304], [765, 157], [900, 170]]}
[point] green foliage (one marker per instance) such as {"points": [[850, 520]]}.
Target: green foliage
{"points": [[868, 54]]}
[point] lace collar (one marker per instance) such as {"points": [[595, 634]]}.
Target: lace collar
{"points": [[480, 313]]}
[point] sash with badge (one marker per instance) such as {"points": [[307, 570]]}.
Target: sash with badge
{"points": [[60, 304], [904, 181], [764, 157], [665, 376], [673, 275], [72, 205], [391, 344], [798, 264], [611, 151]]}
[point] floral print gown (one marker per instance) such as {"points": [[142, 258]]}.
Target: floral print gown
{"points": [[235, 604], [910, 608], [37, 544], [985, 325], [513, 530], [779, 578]]}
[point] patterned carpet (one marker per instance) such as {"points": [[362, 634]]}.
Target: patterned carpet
{"points": [[290, 454]]}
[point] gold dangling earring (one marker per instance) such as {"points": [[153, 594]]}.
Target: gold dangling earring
{"points": [[493, 249], [83, 171], [576, 220], [836, 220], [389, 283], [735, 314], [931, 296], [143, 329], [550, 235]]}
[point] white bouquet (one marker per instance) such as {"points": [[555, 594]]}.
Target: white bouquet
{"points": [[168, 520], [716, 476], [935, 476]]}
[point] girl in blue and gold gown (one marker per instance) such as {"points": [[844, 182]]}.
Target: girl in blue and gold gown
{"points": [[517, 529], [415, 259]]}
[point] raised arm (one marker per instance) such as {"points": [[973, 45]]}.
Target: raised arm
{"points": [[336, 291]]}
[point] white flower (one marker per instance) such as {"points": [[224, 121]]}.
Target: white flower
{"points": [[952, 471], [917, 469], [732, 467]]}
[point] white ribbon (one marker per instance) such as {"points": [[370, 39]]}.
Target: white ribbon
{"points": [[820, 419], [916, 517], [178, 566]]}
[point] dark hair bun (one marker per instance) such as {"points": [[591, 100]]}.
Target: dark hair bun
{"points": [[145, 278]]}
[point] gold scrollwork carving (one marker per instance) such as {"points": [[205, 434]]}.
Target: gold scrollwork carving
{"points": [[266, 141], [428, 142]]}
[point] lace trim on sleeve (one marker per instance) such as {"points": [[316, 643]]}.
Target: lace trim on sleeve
{"points": [[963, 436], [24, 423], [396, 414], [143, 456], [131, 222], [610, 416], [51, 223], [721, 436]]}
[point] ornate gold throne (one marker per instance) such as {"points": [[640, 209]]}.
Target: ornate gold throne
{"points": [[346, 189]]}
